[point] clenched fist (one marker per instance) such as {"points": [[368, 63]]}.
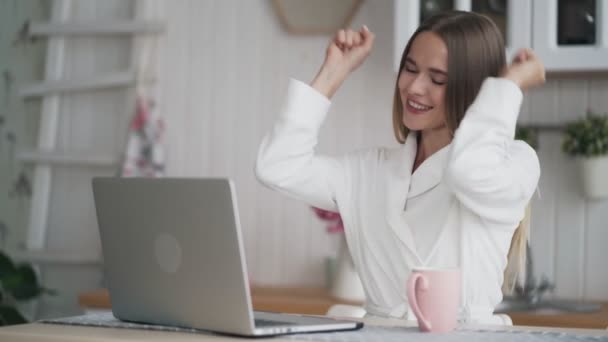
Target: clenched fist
{"points": [[526, 70], [346, 51], [349, 48]]}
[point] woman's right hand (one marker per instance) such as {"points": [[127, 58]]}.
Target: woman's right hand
{"points": [[346, 51], [349, 49]]}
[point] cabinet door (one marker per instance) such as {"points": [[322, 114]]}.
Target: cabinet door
{"points": [[408, 14], [406, 21], [571, 35], [513, 17]]}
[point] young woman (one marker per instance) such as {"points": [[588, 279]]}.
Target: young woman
{"points": [[453, 194]]}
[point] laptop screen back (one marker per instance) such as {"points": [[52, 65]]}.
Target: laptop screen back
{"points": [[173, 253]]}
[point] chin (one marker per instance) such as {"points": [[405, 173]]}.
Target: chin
{"points": [[414, 124]]}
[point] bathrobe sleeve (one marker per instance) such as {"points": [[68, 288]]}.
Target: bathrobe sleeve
{"points": [[489, 172], [287, 161]]}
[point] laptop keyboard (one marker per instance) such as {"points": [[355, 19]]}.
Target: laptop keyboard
{"points": [[261, 323]]}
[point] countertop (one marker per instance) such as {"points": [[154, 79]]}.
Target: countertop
{"points": [[316, 301]]}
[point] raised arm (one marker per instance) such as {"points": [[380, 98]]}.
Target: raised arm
{"points": [[286, 159], [344, 54], [488, 171]]}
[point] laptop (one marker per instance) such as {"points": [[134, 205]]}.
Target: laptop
{"points": [[173, 255]]}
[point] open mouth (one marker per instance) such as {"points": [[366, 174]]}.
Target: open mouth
{"points": [[416, 107]]}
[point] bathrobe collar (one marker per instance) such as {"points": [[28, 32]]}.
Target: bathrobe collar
{"points": [[404, 186]]}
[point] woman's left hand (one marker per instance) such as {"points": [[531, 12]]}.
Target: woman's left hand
{"points": [[526, 70]]}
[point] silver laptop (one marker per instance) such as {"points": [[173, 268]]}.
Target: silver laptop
{"points": [[173, 255]]}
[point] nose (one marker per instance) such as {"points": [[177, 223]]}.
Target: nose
{"points": [[417, 86]]}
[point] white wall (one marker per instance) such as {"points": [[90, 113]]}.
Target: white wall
{"points": [[569, 234], [226, 66], [224, 69]]}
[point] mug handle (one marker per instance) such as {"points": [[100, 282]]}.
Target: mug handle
{"points": [[424, 323]]}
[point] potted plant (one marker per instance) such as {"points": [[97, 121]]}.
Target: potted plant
{"points": [[587, 140], [18, 283], [528, 135]]}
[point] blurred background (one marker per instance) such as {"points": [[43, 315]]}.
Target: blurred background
{"points": [[213, 74]]}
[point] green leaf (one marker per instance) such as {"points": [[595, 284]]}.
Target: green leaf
{"points": [[28, 274], [23, 284], [26, 292], [6, 265], [10, 315], [21, 281]]}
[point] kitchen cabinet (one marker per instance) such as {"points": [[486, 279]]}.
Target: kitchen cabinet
{"points": [[569, 35]]}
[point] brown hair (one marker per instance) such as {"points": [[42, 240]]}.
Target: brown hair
{"points": [[476, 51]]}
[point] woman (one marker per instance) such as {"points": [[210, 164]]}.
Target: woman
{"points": [[453, 194]]}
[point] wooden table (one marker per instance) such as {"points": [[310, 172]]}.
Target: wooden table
{"points": [[593, 320], [40, 332], [311, 301], [316, 301]]}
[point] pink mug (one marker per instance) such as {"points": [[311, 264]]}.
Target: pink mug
{"points": [[434, 296]]}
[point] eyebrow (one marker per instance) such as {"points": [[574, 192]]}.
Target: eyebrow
{"points": [[433, 70]]}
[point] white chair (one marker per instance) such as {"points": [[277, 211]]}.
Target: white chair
{"points": [[506, 320], [346, 311]]}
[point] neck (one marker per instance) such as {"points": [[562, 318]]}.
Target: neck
{"points": [[431, 141]]}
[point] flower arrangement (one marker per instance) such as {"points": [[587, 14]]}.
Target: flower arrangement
{"points": [[588, 136], [335, 224]]}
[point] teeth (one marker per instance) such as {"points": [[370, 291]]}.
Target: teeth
{"points": [[418, 106]]}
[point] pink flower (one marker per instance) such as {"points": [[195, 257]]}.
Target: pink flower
{"points": [[335, 224], [142, 115]]}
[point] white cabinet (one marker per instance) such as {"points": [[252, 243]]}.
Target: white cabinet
{"points": [[569, 35]]}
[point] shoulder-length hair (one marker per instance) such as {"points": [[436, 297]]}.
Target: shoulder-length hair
{"points": [[476, 50]]}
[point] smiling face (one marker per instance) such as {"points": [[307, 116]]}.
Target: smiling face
{"points": [[422, 83], [466, 45]]}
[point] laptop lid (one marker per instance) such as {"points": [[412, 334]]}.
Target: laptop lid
{"points": [[172, 252], [173, 255]]}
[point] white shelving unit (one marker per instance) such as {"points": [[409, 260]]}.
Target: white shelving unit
{"points": [[95, 28], [63, 26]]}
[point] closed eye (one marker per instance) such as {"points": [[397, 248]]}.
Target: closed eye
{"points": [[438, 77], [437, 82], [409, 69]]}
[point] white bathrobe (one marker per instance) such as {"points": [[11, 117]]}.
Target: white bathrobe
{"points": [[462, 204]]}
